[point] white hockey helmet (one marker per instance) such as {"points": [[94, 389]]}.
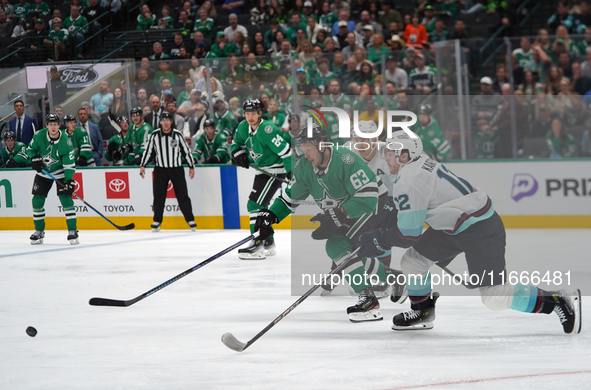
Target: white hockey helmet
{"points": [[402, 142], [368, 127]]}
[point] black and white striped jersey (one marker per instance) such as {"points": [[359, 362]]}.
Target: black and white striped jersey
{"points": [[168, 150]]}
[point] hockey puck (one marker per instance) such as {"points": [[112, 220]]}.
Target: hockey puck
{"points": [[31, 331]]}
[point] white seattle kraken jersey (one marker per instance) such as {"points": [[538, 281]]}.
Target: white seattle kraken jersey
{"points": [[425, 191]]}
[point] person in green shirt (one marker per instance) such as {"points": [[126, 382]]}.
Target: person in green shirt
{"points": [[223, 119], [561, 144], [166, 22], [327, 19], [140, 131], [21, 10], [296, 24], [186, 94], [58, 39], [231, 70], [12, 148], [274, 115], [204, 24], [158, 53], [76, 25], [211, 146], [120, 149], [222, 48], [51, 151], [40, 7], [80, 143], [427, 128], [145, 20]]}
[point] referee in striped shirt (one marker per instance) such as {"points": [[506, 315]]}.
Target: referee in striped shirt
{"points": [[169, 146]]}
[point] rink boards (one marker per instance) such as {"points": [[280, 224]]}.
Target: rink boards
{"points": [[527, 194]]}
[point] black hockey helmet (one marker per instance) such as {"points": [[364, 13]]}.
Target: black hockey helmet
{"points": [[252, 105], [9, 135], [318, 135], [122, 119], [208, 123], [294, 117], [137, 110], [69, 118], [52, 118], [316, 104], [425, 109], [166, 115]]}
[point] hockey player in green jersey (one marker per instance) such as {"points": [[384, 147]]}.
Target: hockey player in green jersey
{"points": [[222, 117], [428, 130], [120, 148], [140, 131], [260, 142], [346, 190], [212, 146], [11, 149], [51, 150], [80, 143]]}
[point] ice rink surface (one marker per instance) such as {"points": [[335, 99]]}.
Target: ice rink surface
{"points": [[171, 340]]}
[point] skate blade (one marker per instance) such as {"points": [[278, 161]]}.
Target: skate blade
{"points": [[382, 293], [270, 252], [577, 306], [74, 241], [251, 256], [325, 293], [155, 230], [37, 242], [366, 316], [422, 326]]}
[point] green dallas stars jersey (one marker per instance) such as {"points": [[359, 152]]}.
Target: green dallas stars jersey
{"points": [[59, 36], [433, 142], [266, 146], [76, 26], [206, 28], [21, 11], [348, 183], [41, 8], [225, 123], [127, 153], [81, 145], [140, 136], [6, 155], [206, 148], [58, 156]]}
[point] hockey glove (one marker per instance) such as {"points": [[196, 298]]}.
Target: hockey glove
{"points": [[82, 161], [138, 159], [112, 147], [240, 158], [126, 148], [332, 221], [387, 216], [11, 164], [37, 163], [69, 187], [372, 244], [215, 159], [265, 220], [117, 156]]}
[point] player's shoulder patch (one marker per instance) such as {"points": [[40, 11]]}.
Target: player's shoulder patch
{"points": [[348, 158], [69, 141], [268, 129]]}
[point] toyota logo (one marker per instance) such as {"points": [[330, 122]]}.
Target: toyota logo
{"points": [[169, 187], [117, 185], [77, 188]]}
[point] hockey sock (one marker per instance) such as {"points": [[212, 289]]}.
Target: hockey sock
{"points": [[386, 258], [375, 267], [39, 212], [253, 208], [530, 299], [419, 290], [337, 248], [68, 205]]}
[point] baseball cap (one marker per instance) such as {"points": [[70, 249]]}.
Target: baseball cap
{"points": [[53, 69], [421, 56], [368, 27], [39, 21], [282, 89], [307, 4], [486, 80], [301, 70], [342, 23], [194, 90], [202, 45], [410, 48], [220, 34]]}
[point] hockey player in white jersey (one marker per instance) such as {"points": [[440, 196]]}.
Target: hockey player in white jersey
{"points": [[461, 218]]}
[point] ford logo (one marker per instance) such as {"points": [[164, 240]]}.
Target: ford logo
{"points": [[75, 79]]}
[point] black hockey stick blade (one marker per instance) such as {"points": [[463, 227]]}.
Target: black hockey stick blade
{"points": [[233, 343], [121, 303], [126, 227]]}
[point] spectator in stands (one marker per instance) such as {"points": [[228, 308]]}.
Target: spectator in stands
{"points": [[339, 6], [543, 40], [222, 48], [20, 11], [502, 121], [36, 36], [561, 17], [260, 14], [582, 20], [96, 138], [158, 53], [233, 28], [291, 32], [423, 78], [553, 78], [564, 61], [153, 118], [163, 72], [322, 75], [408, 63], [231, 70], [524, 54], [92, 12], [40, 7], [188, 107], [366, 74], [185, 24], [305, 54], [197, 69], [338, 64], [395, 74], [364, 21], [561, 144], [58, 39], [415, 33], [541, 62], [350, 74], [340, 38], [276, 11], [487, 100], [580, 84], [176, 45], [335, 97], [204, 24], [375, 52], [530, 87], [586, 65], [343, 17], [20, 30], [142, 81], [197, 120], [166, 94], [459, 31], [100, 102], [439, 33], [178, 121], [145, 20], [118, 107], [76, 25], [542, 123], [7, 8], [186, 94], [562, 36], [147, 66], [389, 15], [327, 18], [351, 45], [233, 6], [142, 97]]}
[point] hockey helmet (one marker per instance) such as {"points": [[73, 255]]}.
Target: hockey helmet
{"points": [[252, 105], [137, 110], [166, 115], [208, 123], [9, 135], [368, 127], [401, 142], [294, 117], [52, 118], [122, 119], [69, 118], [318, 135], [425, 109], [316, 104]]}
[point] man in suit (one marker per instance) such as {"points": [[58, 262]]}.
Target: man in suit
{"points": [[23, 126], [96, 139], [153, 118]]}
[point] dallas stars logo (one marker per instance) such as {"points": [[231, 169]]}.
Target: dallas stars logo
{"points": [[328, 202], [255, 156], [48, 161]]}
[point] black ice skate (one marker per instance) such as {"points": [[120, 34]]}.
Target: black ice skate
{"points": [[270, 247], [399, 293], [73, 237], [417, 319], [37, 237], [192, 225], [568, 309], [155, 227], [367, 309], [255, 251]]}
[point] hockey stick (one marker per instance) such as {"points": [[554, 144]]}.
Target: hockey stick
{"points": [[233, 343], [270, 174], [115, 302], [126, 227]]}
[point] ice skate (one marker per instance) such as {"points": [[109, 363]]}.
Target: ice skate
{"points": [[155, 227], [255, 251], [568, 309], [73, 237], [399, 293], [270, 247], [420, 319], [366, 309], [192, 225], [37, 237]]}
